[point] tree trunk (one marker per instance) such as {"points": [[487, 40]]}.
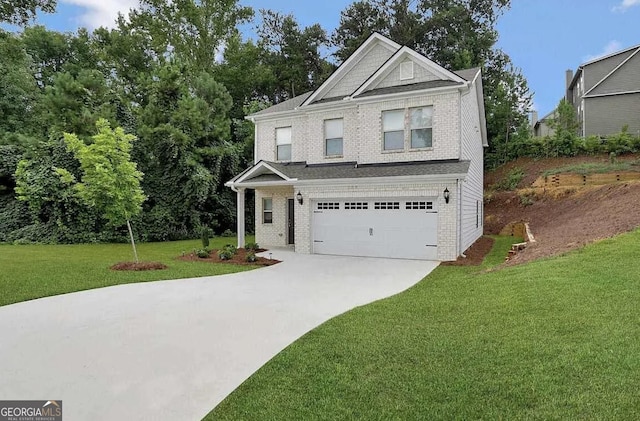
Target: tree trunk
{"points": [[133, 243]]}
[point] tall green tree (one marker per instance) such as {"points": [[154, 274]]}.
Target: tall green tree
{"points": [[110, 181], [22, 11], [293, 54], [194, 31]]}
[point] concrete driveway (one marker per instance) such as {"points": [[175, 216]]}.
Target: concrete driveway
{"points": [[173, 350]]}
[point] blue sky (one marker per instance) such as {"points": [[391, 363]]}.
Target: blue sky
{"points": [[543, 37]]}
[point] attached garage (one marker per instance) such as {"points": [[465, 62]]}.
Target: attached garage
{"points": [[405, 228]]}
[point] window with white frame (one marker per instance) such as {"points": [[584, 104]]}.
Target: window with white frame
{"points": [[421, 127], [333, 137], [267, 210], [393, 130], [283, 143]]}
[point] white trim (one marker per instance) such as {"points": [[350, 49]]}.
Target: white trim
{"points": [[595, 60], [259, 165], [368, 181], [613, 94], [399, 57], [614, 70], [350, 63], [257, 184], [353, 102]]}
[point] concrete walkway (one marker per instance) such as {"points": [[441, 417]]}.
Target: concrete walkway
{"points": [[172, 350]]}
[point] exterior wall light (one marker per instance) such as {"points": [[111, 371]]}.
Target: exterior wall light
{"points": [[299, 197], [445, 194]]}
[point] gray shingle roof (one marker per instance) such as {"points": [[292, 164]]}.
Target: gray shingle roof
{"points": [[288, 105], [304, 171], [408, 88], [467, 74]]}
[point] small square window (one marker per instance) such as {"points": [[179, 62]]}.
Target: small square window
{"points": [[267, 210]]}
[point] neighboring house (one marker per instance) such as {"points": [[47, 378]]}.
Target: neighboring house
{"points": [[384, 159], [605, 93], [542, 127]]}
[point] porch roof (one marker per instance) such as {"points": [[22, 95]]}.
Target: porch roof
{"points": [[277, 173]]}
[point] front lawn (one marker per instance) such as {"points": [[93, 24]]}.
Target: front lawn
{"points": [[552, 339], [34, 271]]}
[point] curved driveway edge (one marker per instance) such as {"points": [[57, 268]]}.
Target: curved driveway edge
{"points": [[172, 350]]}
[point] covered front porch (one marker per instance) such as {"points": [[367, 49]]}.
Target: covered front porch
{"points": [[275, 205]]}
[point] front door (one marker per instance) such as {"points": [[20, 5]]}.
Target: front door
{"points": [[290, 222]]}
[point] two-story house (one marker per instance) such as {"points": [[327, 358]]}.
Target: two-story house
{"points": [[384, 159], [605, 93]]}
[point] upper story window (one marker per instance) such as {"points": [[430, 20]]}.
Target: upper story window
{"points": [[421, 130], [393, 130], [333, 137], [413, 125], [283, 143]]}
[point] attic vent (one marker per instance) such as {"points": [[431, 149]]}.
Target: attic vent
{"points": [[406, 70]]}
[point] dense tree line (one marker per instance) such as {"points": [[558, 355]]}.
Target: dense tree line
{"points": [[180, 77]]}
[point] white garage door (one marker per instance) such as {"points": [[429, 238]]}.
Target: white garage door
{"points": [[385, 227]]}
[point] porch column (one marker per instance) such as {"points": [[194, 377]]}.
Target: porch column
{"points": [[241, 228]]}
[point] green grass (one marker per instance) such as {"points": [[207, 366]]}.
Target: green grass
{"points": [[595, 168], [34, 271], [553, 339]]}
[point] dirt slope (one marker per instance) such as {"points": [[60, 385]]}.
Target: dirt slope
{"points": [[563, 218]]}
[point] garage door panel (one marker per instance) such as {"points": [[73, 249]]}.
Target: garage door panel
{"points": [[395, 228]]}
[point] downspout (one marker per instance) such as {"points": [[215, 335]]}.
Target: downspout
{"points": [[459, 189]]}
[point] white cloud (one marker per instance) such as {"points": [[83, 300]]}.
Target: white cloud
{"points": [[625, 5], [610, 48], [101, 12]]}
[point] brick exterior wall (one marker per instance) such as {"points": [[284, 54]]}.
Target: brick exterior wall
{"points": [[275, 233]]}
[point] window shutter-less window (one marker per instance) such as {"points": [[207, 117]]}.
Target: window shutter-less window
{"points": [[421, 127], [283, 143], [393, 128], [333, 133]]}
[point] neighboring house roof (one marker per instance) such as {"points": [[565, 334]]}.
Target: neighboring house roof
{"points": [[576, 76], [269, 172]]}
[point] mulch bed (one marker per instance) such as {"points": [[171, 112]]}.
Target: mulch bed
{"points": [[138, 266], [240, 258], [475, 254]]}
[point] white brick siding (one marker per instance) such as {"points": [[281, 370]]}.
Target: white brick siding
{"points": [[275, 233], [363, 132]]}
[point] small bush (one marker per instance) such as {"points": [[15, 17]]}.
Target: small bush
{"points": [[204, 236], [511, 180], [202, 253], [230, 248], [225, 254], [251, 257], [251, 246], [228, 233], [527, 199]]}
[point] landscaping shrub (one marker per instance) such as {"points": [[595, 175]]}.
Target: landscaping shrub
{"points": [[251, 246], [203, 253], [225, 254], [511, 180], [228, 233], [230, 248], [204, 236], [251, 257]]}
